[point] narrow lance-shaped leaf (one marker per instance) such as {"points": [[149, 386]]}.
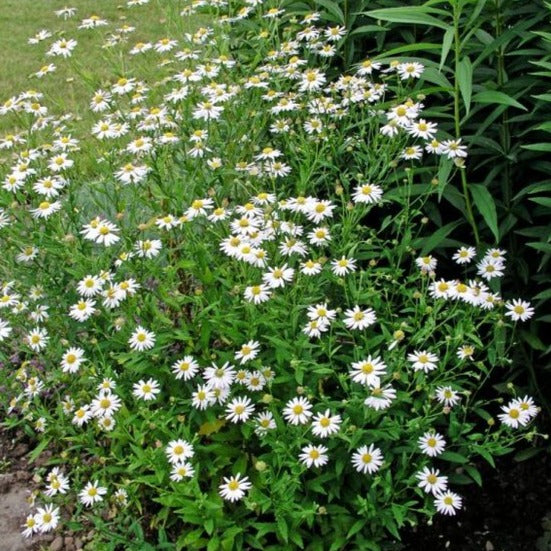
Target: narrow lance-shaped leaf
{"points": [[493, 96], [485, 204], [446, 46], [465, 80], [416, 15]]}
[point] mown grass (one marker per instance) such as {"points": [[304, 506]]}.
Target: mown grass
{"points": [[69, 88]]}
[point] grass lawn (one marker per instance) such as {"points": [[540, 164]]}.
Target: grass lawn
{"points": [[69, 88]]}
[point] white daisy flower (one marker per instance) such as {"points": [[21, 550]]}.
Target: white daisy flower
{"points": [[92, 493], [367, 459], [423, 360], [313, 455], [431, 481], [234, 487], [178, 451], [325, 424], [432, 443], [298, 411], [239, 409], [141, 339], [146, 390], [357, 318], [447, 503]]}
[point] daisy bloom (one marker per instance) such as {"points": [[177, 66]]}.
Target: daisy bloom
{"points": [[513, 415], [368, 371], [321, 312], [239, 409], [367, 193], [367, 459], [90, 286], [423, 360], [248, 351], [325, 424], [314, 455], [30, 526], [47, 518], [297, 411], [431, 481], [453, 149], [141, 339], [82, 415], [440, 289], [146, 390], [465, 352], [410, 70], [381, 397], [343, 266], [219, 377], [234, 487], [257, 293], [203, 397], [278, 277], [447, 396], [426, 263], [358, 318], [264, 423], [181, 471], [37, 339], [432, 443], [92, 493], [178, 451], [489, 268], [519, 310], [422, 129], [72, 360], [447, 503], [105, 405], [527, 405], [310, 268], [464, 255], [185, 368], [5, 330]]}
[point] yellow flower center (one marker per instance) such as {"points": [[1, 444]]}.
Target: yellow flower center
{"points": [[367, 368]]}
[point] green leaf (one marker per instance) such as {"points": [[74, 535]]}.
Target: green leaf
{"points": [[356, 527], [333, 8], [545, 126], [493, 96], [39, 449], [487, 456], [543, 201], [282, 529], [465, 79], [474, 474], [539, 246], [430, 243], [546, 146], [523, 455], [453, 457], [415, 15], [484, 202], [446, 46], [366, 29]]}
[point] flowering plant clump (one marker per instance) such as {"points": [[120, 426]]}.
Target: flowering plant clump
{"points": [[215, 307]]}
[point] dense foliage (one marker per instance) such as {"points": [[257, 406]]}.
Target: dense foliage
{"points": [[221, 304]]}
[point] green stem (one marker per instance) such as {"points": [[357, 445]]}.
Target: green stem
{"points": [[456, 116]]}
